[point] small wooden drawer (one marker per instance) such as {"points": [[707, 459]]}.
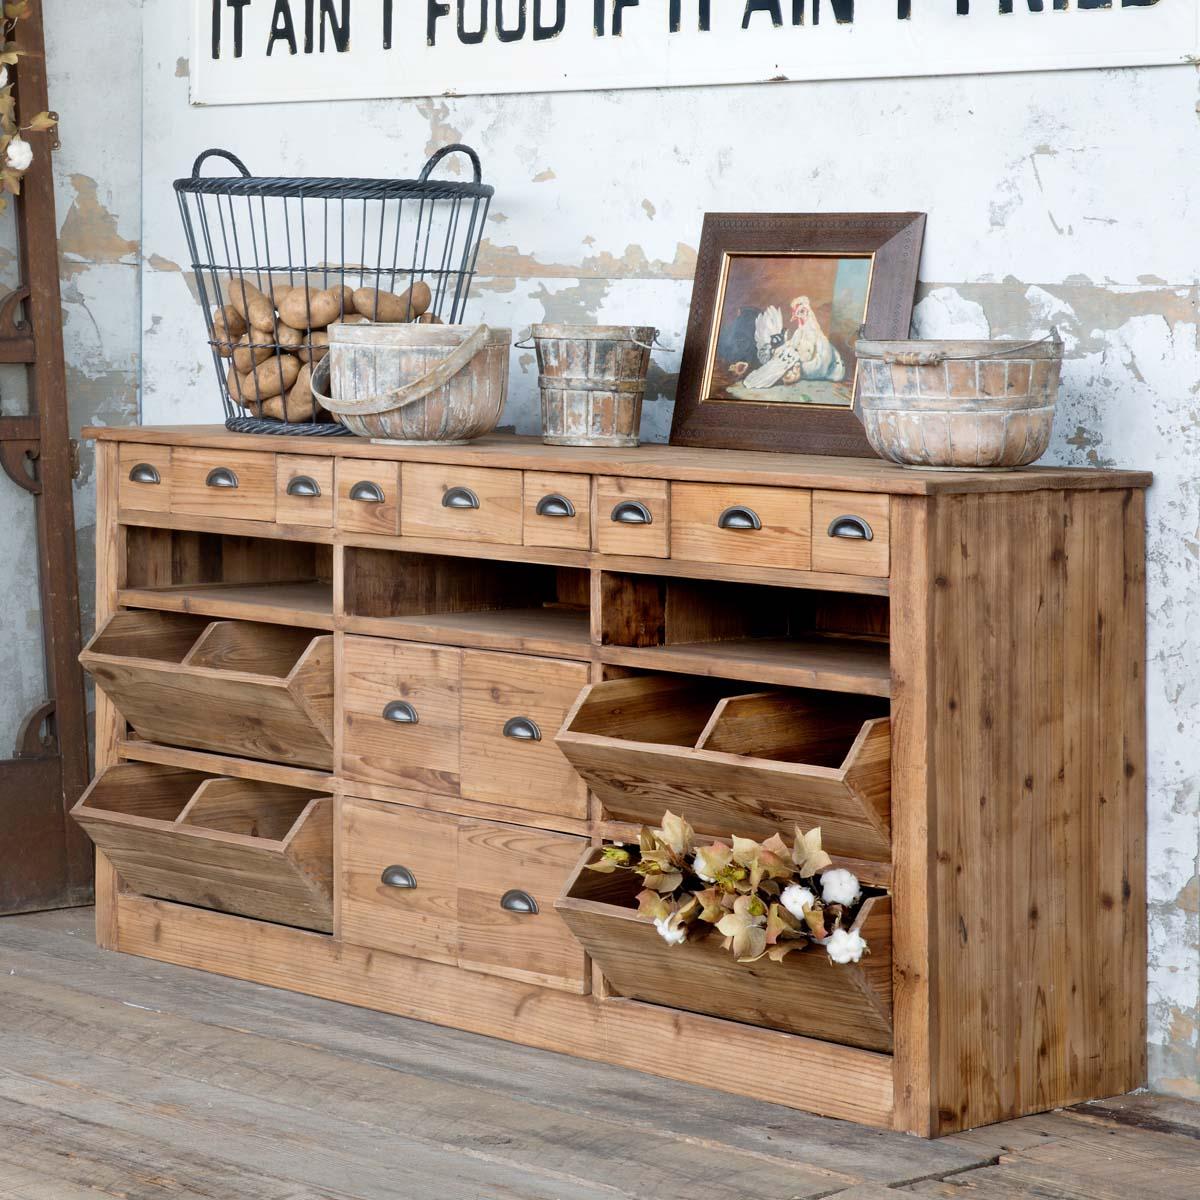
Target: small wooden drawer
{"points": [[239, 846], [304, 490], [850, 533], [368, 496], [753, 764], [558, 510], [804, 994], [234, 687], [512, 706], [400, 718], [473, 894], [223, 483], [144, 478], [478, 504], [750, 526], [633, 517]]}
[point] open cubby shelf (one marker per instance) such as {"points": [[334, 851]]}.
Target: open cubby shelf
{"points": [[307, 602]]}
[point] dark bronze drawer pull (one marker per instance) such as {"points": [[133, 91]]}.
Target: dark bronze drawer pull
{"points": [[459, 497], [400, 712], [555, 505], [522, 729], [398, 877], [738, 516], [144, 473], [221, 477], [367, 492], [848, 526], [304, 486], [632, 512], [517, 901]]}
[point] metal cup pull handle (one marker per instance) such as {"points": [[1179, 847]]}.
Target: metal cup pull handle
{"points": [[632, 512], [522, 729], [221, 477], [144, 473], [367, 492], [397, 876], [554, 505], [304, 486], [517, 901], [738, 516], [459, 497], [849, 526], [400, 712]]}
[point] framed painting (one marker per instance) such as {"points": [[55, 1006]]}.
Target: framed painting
{"points": [[777, 306]]}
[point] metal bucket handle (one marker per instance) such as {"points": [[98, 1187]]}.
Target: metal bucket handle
{"points": [[410, 393], [528, 342], [935, 358]]}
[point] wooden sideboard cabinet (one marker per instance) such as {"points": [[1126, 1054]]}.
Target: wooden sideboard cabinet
{"points": [[364, 712]]}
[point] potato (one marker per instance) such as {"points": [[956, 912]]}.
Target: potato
{"points": [[273, 408], [318, 340], [228, 326], [251, 305], [306, 308], [299, 406], [233, 381], [429, 319], [289, 338], [348, 309], [271, 378], [252, 347], [386, 307]]}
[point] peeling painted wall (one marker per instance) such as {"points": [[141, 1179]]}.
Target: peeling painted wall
{"points": [[1054, 199]]}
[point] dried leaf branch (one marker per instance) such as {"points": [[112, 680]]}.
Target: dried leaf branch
{"points": [[16, 154]]}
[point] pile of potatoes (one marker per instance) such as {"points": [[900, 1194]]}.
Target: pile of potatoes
{"points": [[275, 341]]}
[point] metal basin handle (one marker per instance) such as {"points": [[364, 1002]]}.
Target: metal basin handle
{"points": [[303, 485], [738, 516], [144, 473], [459, 497], [555, 505], [522, 729], [632, 512], [517, 901], [367, 492], [400, 712], [221, 477], [397, 876], [850, 526]]}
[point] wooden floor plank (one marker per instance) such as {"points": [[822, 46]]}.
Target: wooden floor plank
{"points": [[40, 945]]}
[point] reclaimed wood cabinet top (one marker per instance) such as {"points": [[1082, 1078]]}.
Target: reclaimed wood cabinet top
{"points": [[653, 461]]}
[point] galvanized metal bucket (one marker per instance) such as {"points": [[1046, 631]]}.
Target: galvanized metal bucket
{"points": [[412, 385], [592, 380]]}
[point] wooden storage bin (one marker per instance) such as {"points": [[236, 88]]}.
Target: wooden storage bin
{"points": [[653, 742], [236, 845], [805, 994], [235, 687]]}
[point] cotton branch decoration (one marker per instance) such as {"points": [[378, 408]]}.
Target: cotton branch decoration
{"points": [[16, 154], [766, 898]]}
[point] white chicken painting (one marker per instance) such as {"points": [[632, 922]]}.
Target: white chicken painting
{"points": [[787, 330]]}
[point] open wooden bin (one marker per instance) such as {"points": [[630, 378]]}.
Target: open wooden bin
{"points": [[236, 687], [236, 845], [656, 742], [804, 994]]}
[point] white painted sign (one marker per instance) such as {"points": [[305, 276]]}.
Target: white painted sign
{"points": [[247, 51]]}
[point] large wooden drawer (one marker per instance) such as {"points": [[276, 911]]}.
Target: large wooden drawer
{"points": [[804, 994], [745, 526], [475, 894], [512, 706], [477, 504], [235, 687], [223, 483], [144, 481], [749, 764], [255, 849]]}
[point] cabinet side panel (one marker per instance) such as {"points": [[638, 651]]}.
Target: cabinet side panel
{"points": [[1038, 761]]}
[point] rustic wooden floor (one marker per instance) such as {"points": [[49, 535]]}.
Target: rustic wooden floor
{"points": [[123, 1077]]}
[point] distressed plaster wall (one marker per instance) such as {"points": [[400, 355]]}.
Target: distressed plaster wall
{"points": [[1054, 199]]}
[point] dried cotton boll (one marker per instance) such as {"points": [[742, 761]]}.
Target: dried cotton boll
{"points": [[840, 887], [670, 930], [19, 154], [845, 946], [796, 899]]}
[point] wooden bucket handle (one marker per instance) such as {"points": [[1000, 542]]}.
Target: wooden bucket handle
{"points": [[410, 393]]}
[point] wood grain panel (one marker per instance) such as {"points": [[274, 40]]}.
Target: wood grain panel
{"points": [[569, 533], [530, 775], [252, 500], [645, 541], [497, 519], [423, 754], [782, 541], [299, 509]]}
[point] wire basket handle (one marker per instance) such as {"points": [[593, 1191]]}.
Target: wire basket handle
{"points": [[233, 158], [436, 158]]}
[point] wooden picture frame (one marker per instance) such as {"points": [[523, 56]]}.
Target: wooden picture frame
{"points": [[797, 348]]}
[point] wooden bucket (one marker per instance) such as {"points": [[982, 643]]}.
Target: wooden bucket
{"points": [[592, 380], [412, 385]]}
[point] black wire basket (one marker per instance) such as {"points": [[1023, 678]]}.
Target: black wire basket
{"points": [[277, 261]]}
